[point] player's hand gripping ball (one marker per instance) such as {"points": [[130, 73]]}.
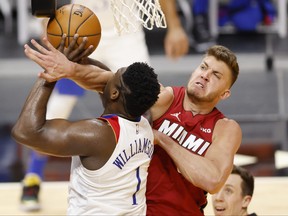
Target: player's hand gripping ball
{"points": [[74, 19]]}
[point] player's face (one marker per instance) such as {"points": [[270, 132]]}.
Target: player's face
{"points": [[118, 82], [114, 87], [229, 200], [210, 81]]}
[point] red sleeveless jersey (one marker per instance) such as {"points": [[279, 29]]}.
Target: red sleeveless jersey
{"points": [[168, 192]]}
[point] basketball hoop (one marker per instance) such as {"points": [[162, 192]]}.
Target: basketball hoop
{"points": [[129, 15]]}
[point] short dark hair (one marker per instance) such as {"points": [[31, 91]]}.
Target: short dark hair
{"points": [[228, 57], [247, 184], [144, 88]]}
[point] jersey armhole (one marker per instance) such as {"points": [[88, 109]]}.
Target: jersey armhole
{"points": [[113, 121]]}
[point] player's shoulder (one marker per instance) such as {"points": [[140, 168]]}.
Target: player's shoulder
{"points": [[102, 128], [99, 124], [165, 97], [166, 92], [228, 124]]}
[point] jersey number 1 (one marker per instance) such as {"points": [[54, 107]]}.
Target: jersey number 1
{"points": [[137, 187]]}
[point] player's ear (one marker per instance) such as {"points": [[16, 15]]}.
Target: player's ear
{"points": [[114, 93], [225, 94], [246, 200]]}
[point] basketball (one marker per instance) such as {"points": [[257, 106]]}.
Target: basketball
{"points": [[74, 19]]}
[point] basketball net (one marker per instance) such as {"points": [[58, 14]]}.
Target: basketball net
{"points": [[129, 15]]}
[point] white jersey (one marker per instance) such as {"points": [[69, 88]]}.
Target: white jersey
{"points": [[103, 11], [116, 50], [119, 187]]}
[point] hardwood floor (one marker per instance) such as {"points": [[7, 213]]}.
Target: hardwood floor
{"points": [[270, 198]]}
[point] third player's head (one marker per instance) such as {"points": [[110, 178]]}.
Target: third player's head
{"points": [[236, 194]]}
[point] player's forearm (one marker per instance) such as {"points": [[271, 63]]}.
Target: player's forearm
{"points": [[97, 63], [90, 76], [176, 41], [171, 15], [198, 170], [32, 118]]}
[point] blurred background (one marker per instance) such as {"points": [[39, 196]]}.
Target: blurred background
{"points": [[259, 102]]}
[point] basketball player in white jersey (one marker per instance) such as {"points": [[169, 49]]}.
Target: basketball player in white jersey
{"points": [[112, 51], [110, 154]]}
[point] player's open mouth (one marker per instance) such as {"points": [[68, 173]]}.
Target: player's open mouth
{"points": [[220, 209], [200, 84]]}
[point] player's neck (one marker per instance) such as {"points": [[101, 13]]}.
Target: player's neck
{"points": [[197, 107]]}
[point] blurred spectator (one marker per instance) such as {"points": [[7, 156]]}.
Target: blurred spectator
{"points": [[236, 194], [244, 15]]}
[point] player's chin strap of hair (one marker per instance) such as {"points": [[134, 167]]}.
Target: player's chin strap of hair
{"points": [[43, 8]]}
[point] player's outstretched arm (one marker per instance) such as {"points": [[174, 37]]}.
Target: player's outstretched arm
{"points": [[54, 63], [56, 66]]}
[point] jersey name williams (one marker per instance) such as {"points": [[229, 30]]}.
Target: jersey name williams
{"points": [[189, 141], [143, 145]]}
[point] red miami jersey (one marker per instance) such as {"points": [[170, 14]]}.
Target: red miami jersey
{"points": [[168, 192]]}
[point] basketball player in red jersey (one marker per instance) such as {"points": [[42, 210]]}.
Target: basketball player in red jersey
{"points": [[196, 142], [198, 156]]}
